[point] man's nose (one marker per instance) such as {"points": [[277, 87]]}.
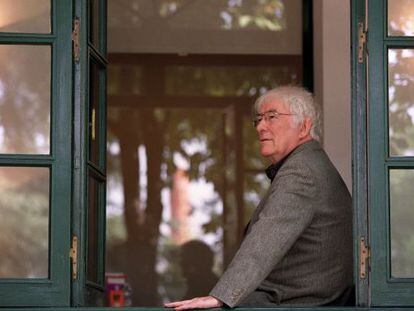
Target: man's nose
{"points": [[260, 125]]}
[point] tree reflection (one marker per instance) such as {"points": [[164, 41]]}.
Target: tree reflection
{"points": [[400, 17], [151, 149], [226, 14], [24, 207], [402, 215], [161, 133], [24, 99], [401, 143]]}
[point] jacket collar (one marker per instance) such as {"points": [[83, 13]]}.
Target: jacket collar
{"points": [[272, 170]]}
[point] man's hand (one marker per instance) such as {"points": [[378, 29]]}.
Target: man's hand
{"points": [[195, 303]]}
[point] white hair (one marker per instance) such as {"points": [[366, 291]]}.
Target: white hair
{"points": [[299, 101]]}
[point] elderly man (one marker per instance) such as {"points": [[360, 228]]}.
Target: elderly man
{"points": [[298, 245]]}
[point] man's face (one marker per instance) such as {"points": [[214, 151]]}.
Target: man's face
{"points": [[278, 135]]}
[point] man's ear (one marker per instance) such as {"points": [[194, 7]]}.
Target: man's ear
{"points": [[305, 128]]}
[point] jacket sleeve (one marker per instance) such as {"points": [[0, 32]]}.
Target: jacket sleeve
{"points": [[286, 213]]}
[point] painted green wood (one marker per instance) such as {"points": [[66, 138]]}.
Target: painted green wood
{"points": [[359, 150], [384, 292], [19, 38], [80, 153], [54, 291], [235, 309], [85, 292]]}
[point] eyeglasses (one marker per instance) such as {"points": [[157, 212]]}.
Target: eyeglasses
{"points": [[269, 116]]}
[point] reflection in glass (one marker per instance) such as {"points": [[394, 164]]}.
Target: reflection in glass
{"points": [[93, 200], [24, 222], [29, 16], [255, 186], [94, 113], [253, 160], [235, 27], [125, 79], [25, 79], [228, 15], [94, 22], [220, 81], [400, 18], [402, 216], [183, 164], [165, 188], [401, 101]]}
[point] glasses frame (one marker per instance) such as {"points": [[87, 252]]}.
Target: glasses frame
{"points": [[269, 116]]}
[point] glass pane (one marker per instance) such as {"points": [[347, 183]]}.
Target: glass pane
{"points": [[94, 113], [24, 222], [401, 101], [402, 219], [400, 18], [25, 82], [29, 16], [94, 22], [165, 200], [223, 81], [125, 79], [182, 123], [176, 26], [253, 160], [93, 247], [255, 187]]}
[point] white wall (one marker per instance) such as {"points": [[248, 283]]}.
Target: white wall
{"points": [[333, 80]]}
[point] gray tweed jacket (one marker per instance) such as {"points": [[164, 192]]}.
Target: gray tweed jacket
{"points": [[298, 246]]}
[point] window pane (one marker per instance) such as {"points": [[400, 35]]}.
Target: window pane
{"points": [[93, 247], [165, 188], [24, 222], [402, 219], [401, 101], [94, 113], [255, 186], [169, 111], [29, 16], [253, 160], [25, 84], [94, 22], [225, 81], [125, 79], [235, 27], [400, 18]]}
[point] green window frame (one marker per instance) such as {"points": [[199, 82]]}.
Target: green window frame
{"points": [[386, 290], [373, 162], [89, 175], [54, 289], [70, 163]]}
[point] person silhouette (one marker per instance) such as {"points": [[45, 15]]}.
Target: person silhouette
{"points": [[196, 260]]}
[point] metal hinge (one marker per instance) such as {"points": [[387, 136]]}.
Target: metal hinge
{"points": [[75, 39], [362, 40], [73, 254], [364, 257]]}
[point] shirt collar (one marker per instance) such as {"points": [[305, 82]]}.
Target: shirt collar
{"points": [[272, 170]]}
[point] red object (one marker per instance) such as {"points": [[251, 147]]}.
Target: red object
{"points": [[115, 283]]}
